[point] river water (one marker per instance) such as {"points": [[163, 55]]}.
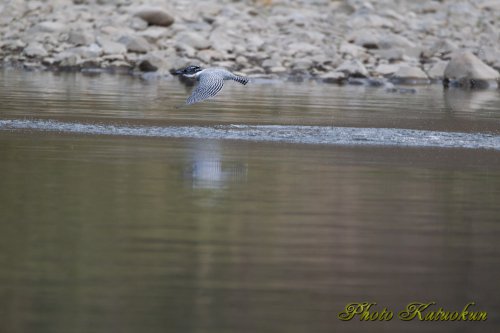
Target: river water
{"points": [[268, 209]]}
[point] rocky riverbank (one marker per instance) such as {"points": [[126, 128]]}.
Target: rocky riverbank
{"points": [[402, 41]]}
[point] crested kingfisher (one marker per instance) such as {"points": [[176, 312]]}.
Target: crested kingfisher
{"points": [[210, 81]]}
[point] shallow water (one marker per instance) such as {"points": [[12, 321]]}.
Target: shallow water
{"points": [[265, 210]]}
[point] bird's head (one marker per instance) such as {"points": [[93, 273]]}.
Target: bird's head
{"points": [[189, 71]]}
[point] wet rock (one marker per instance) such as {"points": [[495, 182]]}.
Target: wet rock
{"points": [[67, 59], [89, 63], [35, 50], [80, 38], [154, 15], [119, 66], [135, 43], [48, 61], [409, 75], [111, 47], [333, 77], [467, 70], [376, 82], [353, 68]]}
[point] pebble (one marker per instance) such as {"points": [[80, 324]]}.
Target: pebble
{"points": [[154, 15], [80, 38]]}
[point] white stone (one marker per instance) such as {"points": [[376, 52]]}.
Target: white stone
{"points": [[35, 50], [154, 15]]}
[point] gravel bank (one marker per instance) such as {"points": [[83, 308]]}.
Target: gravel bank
{"points": [[457, 42]]}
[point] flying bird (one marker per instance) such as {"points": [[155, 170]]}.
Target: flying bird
{"points": [[210, 81]]}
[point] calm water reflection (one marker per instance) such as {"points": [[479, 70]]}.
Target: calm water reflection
{"points": [[109, 233]]}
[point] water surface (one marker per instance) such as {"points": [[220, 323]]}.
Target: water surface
{"points": [[105, 228]]}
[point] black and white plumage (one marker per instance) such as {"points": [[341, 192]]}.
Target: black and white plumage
{"points": [[210, 81]]}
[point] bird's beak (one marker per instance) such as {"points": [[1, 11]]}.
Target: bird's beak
{"points": [[178, 72]]}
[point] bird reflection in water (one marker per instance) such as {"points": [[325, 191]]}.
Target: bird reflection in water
{"points": [[209, 170]]}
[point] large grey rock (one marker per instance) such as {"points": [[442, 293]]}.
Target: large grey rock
{"points": [[352, 68], [35, 50], [154, 15], [468, 70], [333, 77]]}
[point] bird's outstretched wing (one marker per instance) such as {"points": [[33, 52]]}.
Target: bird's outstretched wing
{"points": [[208, 86]]}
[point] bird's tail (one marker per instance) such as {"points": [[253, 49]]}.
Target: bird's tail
{"points": [[241, 79]]}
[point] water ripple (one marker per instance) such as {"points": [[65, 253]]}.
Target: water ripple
{"points": [[274, 133]]}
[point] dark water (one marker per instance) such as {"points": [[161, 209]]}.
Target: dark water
{"points": [[260, 211]]}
